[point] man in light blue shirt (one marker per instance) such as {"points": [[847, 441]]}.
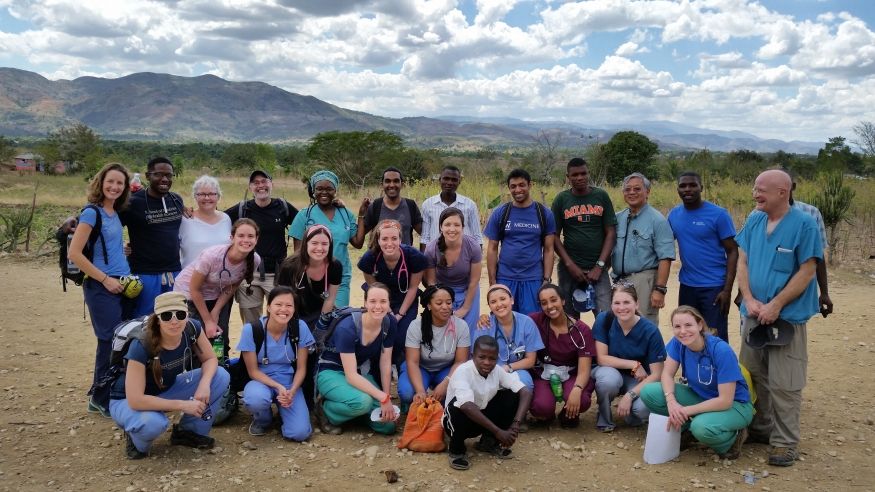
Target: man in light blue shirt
{"points": [[644, 250]]}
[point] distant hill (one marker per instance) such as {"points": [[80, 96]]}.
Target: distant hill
{"points": [[151, 106]]}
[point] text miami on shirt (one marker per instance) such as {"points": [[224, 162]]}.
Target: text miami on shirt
{"points": [[583, 212]]}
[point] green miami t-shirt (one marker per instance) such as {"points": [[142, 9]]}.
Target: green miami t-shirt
{"points": [[582, 219]]}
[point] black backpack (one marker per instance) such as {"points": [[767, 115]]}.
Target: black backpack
{"points": [[126, 332], [323, 336], [237, 368], [78, 276], [505, 217]]}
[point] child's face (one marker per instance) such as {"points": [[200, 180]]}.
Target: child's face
{"points": [[485, 360]]}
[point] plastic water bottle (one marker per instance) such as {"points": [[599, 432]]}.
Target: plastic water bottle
{"points": [[136, 183], [556, 387], [590, 298], [219, 348], [71, 267]]}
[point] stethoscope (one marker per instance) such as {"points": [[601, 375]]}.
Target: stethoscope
{"points": [[299, 285], [518, 352], [224, 270], [709, 366], [311, 221], [571, 326], [402, 268], [266, 360]]}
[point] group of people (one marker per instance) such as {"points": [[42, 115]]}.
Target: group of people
{"points": [[530, 353]]}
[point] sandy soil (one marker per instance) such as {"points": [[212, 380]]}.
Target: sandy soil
{"points": [[49, 442]]}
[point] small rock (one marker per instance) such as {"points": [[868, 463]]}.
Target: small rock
{"points": [[250, 446]]}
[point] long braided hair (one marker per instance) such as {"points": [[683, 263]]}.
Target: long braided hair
{"points": [[250, 258], [426, 322], [153, 347]]}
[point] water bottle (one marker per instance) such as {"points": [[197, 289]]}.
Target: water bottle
{"points": [[136, 183], [590, 298], [556, 387], [71, 267], [219, 348]]}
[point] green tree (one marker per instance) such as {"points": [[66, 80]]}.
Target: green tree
{"points": [[356, 157], [836, 156], [865, 131], [628, 152], [77, 144], [7, 149], [249, 156], [834, 202]]}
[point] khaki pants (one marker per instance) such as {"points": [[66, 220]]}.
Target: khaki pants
{"points": [[252, 305], [779, 374], [643, 282]]}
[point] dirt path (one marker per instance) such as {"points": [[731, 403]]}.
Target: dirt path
{"points": [[49, 442]]}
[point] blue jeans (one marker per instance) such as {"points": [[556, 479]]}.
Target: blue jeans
{"points": [[258, 399], [609, 383], [147, 425], [107, 310], [153, 286], [430, 379], [702, 298]]}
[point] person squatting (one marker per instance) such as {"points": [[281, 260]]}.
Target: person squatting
{"points": [[529, 361]]}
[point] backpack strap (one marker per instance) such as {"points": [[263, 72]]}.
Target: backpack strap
{"points": [[542, 221], [241, 209], [258, 336], [97, 232], [373, 213]]}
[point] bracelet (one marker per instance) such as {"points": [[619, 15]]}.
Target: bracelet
{"points": [[105, 276], [385, 400], [578, 386], [670, 393]]}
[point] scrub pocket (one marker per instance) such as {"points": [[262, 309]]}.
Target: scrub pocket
{"points": [[784, 261]]}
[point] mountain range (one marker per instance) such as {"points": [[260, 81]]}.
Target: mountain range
{"points": [[152, 106]]}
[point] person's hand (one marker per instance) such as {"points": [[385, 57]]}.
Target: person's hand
{"points": [[193, 407], [624, 408], [461, 312], [338, 203], [387, 411], [677, 416], [572, 403], [640, 373], [507, 368], [113, 285], [188, 212], [723, 299], [440, 391], [575, 271], [202, 393], [825, 305], [420, 395], [505, 437], [594, 275], [483, 321], [769, 313], [363, 208], [284, 397], [398, 316], [127, 249], [657, 299], [753, 307], [212, 330]]}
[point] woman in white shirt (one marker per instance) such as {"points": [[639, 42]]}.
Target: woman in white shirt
{"points": [[207, 225]]}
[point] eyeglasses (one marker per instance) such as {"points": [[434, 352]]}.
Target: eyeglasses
{"points": [[206, 195], [160, 175], [167, 315]]}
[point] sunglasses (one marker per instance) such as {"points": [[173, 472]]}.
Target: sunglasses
{"points": [[167, 315]]}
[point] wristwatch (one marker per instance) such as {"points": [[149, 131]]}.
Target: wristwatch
{"points": [[661, 289], [600, 264], [632, 395]]}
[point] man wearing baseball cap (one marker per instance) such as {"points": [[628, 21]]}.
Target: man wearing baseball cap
{"points": [[273, 216]]}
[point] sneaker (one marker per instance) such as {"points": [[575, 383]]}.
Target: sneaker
{"points": [[783, 456], [325, 425], [131, 451], [94, 407], [255, 429], [182, 437], [735, 450]]}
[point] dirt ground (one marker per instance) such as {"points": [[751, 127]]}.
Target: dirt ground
{"points": [[49, 442]]}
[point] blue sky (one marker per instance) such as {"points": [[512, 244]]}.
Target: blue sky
{"points": [[801, 70]]}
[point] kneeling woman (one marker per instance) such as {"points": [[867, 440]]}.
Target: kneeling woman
{"points": [[346, 388], [630, 355], [714, 404], [159, 377], [569, 350], [517, 336], [277, 366], [437, 343]]}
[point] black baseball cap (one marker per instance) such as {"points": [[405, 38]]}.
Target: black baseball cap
{"points": [[259, 172], [777, 334]]}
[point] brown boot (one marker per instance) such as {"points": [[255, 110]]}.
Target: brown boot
{"points": [[735, 451]]}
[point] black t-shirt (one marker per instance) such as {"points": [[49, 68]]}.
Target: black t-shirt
{"points": [[272, 222], [310, 290], [153, 227]]}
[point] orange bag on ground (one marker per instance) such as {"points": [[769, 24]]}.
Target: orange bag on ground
{"points": [[423, 431]]}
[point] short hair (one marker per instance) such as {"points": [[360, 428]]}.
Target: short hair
{"points": [[392, 169], [519, 173], [576, 162], [487, 342], [450, 167], [637, 175], [158, 160], [206, 181], [692, 174]]}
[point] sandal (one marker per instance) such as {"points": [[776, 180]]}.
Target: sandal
{"points": [[459, 461]]}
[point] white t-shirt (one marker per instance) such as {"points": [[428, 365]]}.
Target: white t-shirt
{"points": [[443, 343], [196, 235], [467, 385]]}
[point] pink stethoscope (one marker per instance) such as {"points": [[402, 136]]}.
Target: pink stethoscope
{"points": [[402, 268]]}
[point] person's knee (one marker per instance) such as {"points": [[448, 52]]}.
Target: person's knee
{"points": [[360, 404], [298, 433], [702, 431], [640, 410], [256, 398], [543, 407], [608, 380], [148, 425]]}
